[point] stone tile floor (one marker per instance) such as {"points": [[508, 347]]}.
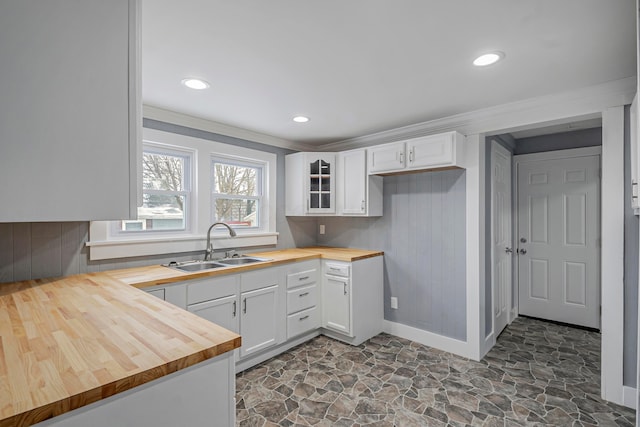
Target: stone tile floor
{"points": [[538, 373]]}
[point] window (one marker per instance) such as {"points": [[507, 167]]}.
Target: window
{"points": [[237, 190], [189, 183], [166, 185]]}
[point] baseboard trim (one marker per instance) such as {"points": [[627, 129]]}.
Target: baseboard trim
{"points": [[629, 397], [451, 345]]}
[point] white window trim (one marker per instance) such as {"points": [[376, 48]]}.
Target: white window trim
{"points": [[264, 206], [102, 245]]}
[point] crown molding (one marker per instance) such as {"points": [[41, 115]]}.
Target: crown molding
{"points": [[587, 102], [180, 119]]}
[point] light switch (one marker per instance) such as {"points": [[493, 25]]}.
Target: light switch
{"points": [[394, 303], [321, 228]]}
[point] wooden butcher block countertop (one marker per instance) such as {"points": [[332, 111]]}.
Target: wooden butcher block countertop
{"points": [[143, 277], [65, 343], [69, 342]]}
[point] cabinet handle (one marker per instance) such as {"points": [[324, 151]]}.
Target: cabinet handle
{"points": [[235, 306], [304, 317], [345, 287], [244, 308], [334, 268], [402, 157], [362, 206], [411, 155], [304, 294], [303, 278]]}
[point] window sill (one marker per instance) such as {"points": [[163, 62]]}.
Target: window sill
{"points": [[109, 249]]}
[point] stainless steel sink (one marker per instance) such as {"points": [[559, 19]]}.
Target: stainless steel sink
{"points": [[242, 260], [197, 266]]}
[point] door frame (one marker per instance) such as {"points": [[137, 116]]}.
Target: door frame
{"points": [[495, 146], [552, 155]]}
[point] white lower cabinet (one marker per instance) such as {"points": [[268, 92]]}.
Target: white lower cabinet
{"points": [[352, 299], [275, 308]]}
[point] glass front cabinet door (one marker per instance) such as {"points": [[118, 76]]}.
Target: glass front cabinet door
{"points": [[321, 178]]}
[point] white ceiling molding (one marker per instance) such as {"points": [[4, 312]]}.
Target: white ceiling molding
{"points": [[583, 103], [167, 116]]}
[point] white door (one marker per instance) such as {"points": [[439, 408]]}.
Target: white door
{"points": [[558, 232], [502, 250]]}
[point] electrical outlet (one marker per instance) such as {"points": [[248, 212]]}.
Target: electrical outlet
{"points": [[394, 303], [321, 228]]}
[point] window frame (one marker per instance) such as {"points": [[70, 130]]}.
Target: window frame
{"points": [[240, 162], [189, 157], [103, 244]]}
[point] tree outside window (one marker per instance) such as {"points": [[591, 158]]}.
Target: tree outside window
{"points": [[236, 192]]}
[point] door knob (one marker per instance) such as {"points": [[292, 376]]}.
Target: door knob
{"points": [[522, 251], [508, 250], [523, 240]]}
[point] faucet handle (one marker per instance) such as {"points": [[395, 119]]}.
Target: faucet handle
{"points": [[230, 253]]}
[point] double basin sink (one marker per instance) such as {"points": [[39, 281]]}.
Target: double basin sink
{"points": [[196, 265]]}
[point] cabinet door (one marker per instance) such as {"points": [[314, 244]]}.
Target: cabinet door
{"points": [[336, 304], [258, 319], [68, 129], [221, 311], [352, 183], [320, 168], [386, 158], [431, 151]]}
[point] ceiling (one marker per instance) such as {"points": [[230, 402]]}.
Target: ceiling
{"points": [[362, 66]]}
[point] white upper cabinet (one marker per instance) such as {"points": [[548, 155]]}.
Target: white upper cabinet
{"points": [[386, 157], [358, 194], [310, 183], [441, 151], [70, 110]]}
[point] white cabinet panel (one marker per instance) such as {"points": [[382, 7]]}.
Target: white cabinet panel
{"points": [[258, 320], [158, 293], [302, 322], [359, 194], [70, 122], [301, 298], [337, 304], [432, 151], [221, 311], [387, 157]]}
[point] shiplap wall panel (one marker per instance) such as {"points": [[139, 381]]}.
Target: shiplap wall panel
{"points": [[22, 252], [423, 235], [6, 253]]}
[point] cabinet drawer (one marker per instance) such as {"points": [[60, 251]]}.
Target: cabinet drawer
{"points": [[302, 278], [302, 298], [302, 322], [213, 288], [337, 269], [159, 293], [259, 279]]}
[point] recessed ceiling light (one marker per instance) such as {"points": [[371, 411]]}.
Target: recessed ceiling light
{"points": [[195, 84], [301, 119], [488, 59]]}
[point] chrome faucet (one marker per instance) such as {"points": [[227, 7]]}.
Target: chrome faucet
{"points": [[209, 250]]}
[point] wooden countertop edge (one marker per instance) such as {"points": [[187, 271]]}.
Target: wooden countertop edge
{"points": [[175, 276], [96, 394]]}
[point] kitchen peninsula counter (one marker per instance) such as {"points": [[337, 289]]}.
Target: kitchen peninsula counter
{"points": [[69, 342]]}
